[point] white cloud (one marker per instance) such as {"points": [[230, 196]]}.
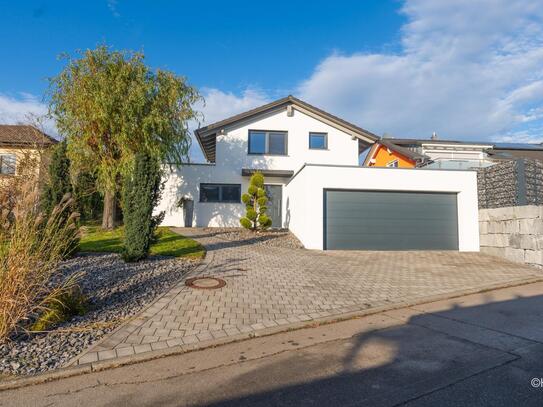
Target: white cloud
{"points": [[468, 69], [220, 105], [24, 109], [112, 6]]}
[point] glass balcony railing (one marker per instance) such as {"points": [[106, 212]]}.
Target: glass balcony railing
{"points": [[451, 164]]}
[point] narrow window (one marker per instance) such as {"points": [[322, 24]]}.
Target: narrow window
{"points": [[7, 164], [267, 142], [318, 141], [227, 193]]}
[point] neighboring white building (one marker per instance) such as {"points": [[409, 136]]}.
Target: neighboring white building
{"points": [[317, 188], [448, 154]]}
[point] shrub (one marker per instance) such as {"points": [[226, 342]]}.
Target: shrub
{"points": [[141, 192], [255, 201], [30, 252]]}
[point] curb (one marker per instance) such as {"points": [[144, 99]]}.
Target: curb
{"points": [[148, 356]]}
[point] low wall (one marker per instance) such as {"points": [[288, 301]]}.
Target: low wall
{"points": [[515, 233]]}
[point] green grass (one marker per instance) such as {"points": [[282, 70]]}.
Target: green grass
{"points": [[167, 243]]}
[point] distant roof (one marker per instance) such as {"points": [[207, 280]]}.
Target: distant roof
{"points": [[402, 150], [23, 136], [518, 146], [418, 142], [206, 136]]}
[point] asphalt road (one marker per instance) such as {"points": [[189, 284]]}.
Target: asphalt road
{"points": [[483, 350]]}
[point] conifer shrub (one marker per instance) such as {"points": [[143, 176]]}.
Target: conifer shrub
{"points": [[142, 188], [255, 201]]}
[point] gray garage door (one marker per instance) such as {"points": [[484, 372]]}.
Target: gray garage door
{"points": [[391, 220]]}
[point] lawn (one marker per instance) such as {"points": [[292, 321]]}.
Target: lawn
{"points": [[168, 243]]}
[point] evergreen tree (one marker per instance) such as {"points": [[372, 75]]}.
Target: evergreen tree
{"points": [[255, 201], [141, 191], [58, 183]]}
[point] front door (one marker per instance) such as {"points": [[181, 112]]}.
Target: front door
{"points": [[275, 197]]}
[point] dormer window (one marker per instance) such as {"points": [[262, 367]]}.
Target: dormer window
{"points": [[267, 142]]}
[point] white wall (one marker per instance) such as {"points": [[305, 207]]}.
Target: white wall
{"points": [[231, 157], [306, 190], [231, 153]]}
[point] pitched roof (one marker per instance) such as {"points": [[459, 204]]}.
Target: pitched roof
{"points": [[206, 136], [23, 136], [412, 155]]}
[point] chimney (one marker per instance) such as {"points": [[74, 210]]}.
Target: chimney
{"points": [[434, 136]]}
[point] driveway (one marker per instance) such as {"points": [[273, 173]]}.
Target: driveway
{"points": [[478, 350], [269, 287]]}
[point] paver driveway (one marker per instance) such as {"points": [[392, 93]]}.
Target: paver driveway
{"points": [[272, 286]]}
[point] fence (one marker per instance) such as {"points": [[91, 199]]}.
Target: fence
{"points": [[511, 183]]}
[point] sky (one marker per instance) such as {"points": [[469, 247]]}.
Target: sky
{"points": [[466, 69]]}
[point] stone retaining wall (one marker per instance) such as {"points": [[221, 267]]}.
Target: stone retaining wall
{"points": [[515, 233]]}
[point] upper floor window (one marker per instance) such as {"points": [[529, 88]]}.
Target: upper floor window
{"points": [[7, 164], [267, 142], [318, 141], [230, 193], [393, 164]]}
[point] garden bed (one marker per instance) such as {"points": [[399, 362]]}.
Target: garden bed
{"points": [[273, 237], [115, 290]]}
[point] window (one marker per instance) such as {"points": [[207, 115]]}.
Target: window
{"points": [[7, 164], [220, 193], [318, 141], [393, 164], [267, 142]]}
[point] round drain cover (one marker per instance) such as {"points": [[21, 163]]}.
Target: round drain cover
{"points": [[206, 283]]}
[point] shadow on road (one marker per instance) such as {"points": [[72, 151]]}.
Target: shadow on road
{"points": [[465, 355]]}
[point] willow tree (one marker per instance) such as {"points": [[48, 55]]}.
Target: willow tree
{"points": [[110, 106]]}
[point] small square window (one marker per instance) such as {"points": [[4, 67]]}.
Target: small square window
{"points": [[318, 141]]}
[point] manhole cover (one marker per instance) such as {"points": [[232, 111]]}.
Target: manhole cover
{"points": [[206, 283]]}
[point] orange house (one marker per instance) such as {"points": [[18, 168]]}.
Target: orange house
{"points": [[386, 154]]}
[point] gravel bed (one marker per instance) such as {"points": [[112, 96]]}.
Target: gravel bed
{"points": [[274, 237], [115, 289]]}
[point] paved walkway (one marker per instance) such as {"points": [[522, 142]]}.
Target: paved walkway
{"points": [[270, 287]]}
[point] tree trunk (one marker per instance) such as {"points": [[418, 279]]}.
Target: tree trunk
{"points": [[108, 216]]}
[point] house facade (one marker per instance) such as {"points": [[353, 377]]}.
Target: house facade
{"points": [[317, 187], [20, 142]]}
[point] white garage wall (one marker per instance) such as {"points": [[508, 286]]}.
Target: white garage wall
{"points": [[307, 186]]}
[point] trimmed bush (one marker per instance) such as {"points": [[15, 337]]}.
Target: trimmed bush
{"points": [[255, 201], [141, 191]]}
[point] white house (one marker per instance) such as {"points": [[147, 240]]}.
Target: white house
{"points": [[316, 186]]}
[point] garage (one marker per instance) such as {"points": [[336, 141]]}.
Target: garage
{"points": [[390, 220]]}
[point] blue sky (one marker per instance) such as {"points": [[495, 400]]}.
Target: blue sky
{"points": [[225, 45], [467, 69]]}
